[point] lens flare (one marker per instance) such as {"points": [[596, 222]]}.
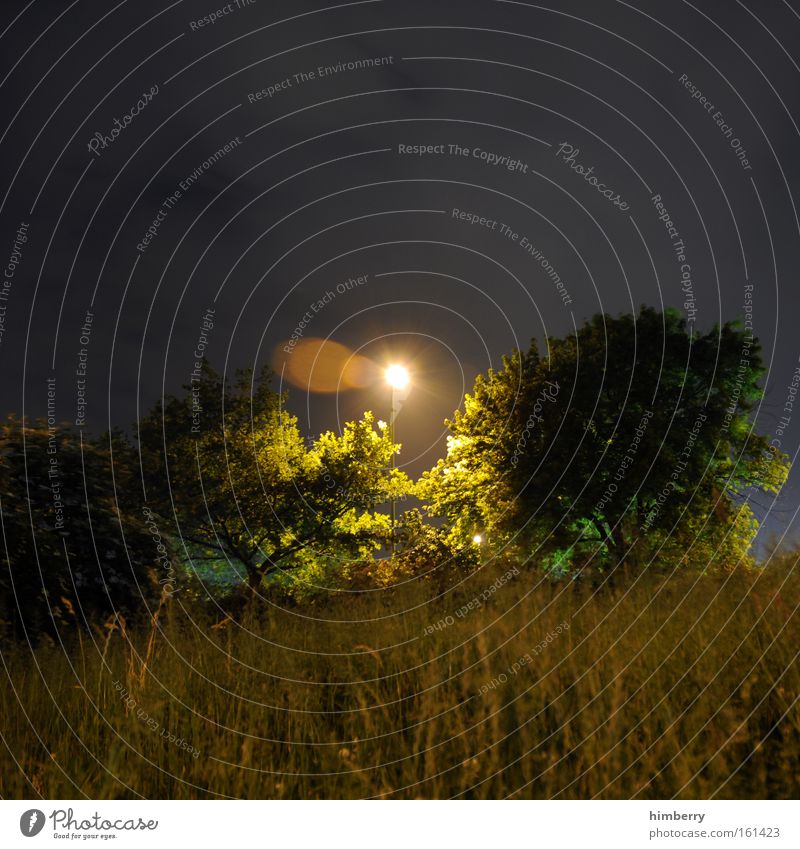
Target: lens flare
{"points": [[321, 365]]}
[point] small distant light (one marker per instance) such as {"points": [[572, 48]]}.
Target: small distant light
{"points": [[477, 539]]}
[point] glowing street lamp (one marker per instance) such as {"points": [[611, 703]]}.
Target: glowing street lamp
{"points": [[398, 377]]}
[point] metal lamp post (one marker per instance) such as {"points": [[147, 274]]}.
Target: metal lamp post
{"points": [[397, 377]]}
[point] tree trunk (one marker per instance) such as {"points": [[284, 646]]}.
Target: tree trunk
{"points": [[255, 575], [621, 572], [620, 544]]}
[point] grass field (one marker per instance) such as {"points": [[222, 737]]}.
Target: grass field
{"points": [[672, 686]]}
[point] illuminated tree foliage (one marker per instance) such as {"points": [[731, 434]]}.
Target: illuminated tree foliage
{"points": [[227, 465], [629, 439]]}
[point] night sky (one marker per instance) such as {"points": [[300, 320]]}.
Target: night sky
{"points": [[432, 183]]}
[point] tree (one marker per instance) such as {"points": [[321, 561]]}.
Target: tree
{"points": [[227, 463], [630, 436], [69, 547]]}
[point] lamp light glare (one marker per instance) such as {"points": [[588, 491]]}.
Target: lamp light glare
{"points": [[397, 377]]}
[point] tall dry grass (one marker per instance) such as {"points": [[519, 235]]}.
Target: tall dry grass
{"points": [[683, 686]]}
